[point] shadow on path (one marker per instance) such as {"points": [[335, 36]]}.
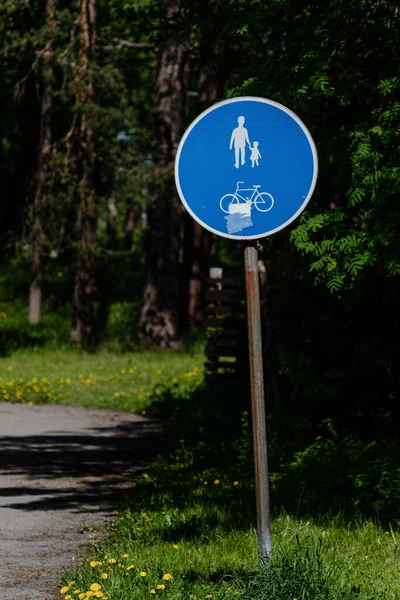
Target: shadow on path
{"points": [[61, 468], [96, 465]]}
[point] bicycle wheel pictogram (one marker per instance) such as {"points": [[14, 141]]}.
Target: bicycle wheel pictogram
{"points": [[264, 201], [226, 201]]}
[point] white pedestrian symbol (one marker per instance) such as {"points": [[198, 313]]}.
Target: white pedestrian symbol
{"points": [[239, 139], [255, 154]]}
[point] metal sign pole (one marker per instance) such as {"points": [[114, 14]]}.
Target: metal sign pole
{"points": [[258, 404]]}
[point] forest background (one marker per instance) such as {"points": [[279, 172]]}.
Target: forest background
{"points": [[96, 248]]}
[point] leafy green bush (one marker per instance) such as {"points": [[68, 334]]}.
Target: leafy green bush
{"points": [[17, 332], [344, 475]]}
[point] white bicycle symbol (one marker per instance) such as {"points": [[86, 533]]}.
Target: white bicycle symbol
{"points": [[263, 201]]}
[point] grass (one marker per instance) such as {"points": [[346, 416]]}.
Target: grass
{"points": [[209, 554], [101, 380]]}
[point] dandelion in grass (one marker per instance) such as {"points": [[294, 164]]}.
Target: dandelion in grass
{"points": [[130, 567], [95, 587], [235, 483], [81, 596], [175, 546], [64, 589], [208, 595], [161, 586], [112, 561], [153, 592], [167, 576], [125, 555], [143, 573], [216, 482], [104, 576], [68, 597]]}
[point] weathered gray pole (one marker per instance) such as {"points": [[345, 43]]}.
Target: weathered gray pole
{"points": [[258, 404]]}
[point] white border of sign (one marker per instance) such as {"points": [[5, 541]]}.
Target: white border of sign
{"points": [[230, 101]]}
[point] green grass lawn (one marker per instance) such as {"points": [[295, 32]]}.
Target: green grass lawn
{"points": [[101, 380], [154, 552]]}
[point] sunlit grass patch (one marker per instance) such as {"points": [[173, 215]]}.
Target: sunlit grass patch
{"points": [[103, 380]]}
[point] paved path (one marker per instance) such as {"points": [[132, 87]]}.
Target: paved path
{"points": [[61, 468]]}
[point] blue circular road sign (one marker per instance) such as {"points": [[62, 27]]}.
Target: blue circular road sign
{"points": [[246, 168]]}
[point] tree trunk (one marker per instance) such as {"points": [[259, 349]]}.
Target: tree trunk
{"points": [[160, 316], [37, 271], [129, 226], [85, 284], [210, 87]]}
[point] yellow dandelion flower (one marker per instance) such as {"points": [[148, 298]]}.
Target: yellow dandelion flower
{"points": [[139, 528], [161, 586], [98, 594], [143, 573], [152, 591], [208, 595], [235, 483], [112, 561], [167, 576], [95, 587], [104, 576], [216, 482], [64, 589], [175, 546], [81, 596], [68, 597], [125, 555], [130, 567]]}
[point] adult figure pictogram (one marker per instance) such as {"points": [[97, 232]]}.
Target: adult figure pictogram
{"points": [[239, 138]]}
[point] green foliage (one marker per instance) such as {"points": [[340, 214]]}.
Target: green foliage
{"points": [[329, 66], [16, 332], [344, 474]]}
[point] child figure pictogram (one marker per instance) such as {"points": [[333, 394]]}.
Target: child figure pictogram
{"points": [[255, 154]]}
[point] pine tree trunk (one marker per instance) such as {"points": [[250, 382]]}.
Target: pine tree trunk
{"points": [[37, 271], [211, 84], [160, 316], [83, 315]]}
